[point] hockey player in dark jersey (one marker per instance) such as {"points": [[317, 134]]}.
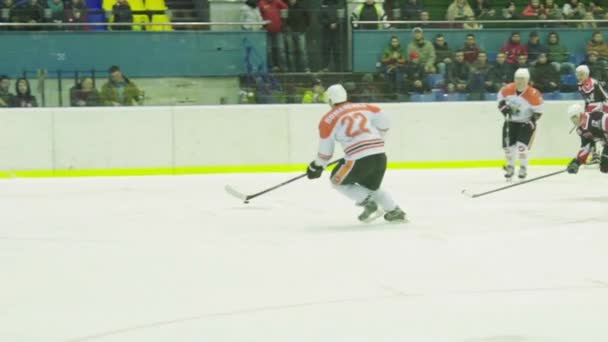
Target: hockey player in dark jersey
{"points": [[592, 128], [595, 98]]}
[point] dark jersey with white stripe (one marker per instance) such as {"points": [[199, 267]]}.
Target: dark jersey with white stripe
{"points": [[594, 128], [594, 95]]}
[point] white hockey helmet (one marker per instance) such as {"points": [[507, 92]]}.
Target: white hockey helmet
{"points": [[336, 94], [574, 113], [522, 73], [582, 69], [521, 78]]}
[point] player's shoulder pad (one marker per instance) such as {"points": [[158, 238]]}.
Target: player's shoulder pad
{"points": [[508, 89]]}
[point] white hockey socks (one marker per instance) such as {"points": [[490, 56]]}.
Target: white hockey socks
{"points": [[511, 155], [522, 149], [384, 199], [355, 192]]}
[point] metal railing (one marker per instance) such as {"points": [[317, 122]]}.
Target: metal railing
{"points": [[485, 21], [110, 24]]}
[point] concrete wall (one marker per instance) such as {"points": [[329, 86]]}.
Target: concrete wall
{"points": [[171, 137]]}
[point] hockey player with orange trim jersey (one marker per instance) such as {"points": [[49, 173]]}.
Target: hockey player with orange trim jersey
{"points": [[522, 106], [360, 129]]}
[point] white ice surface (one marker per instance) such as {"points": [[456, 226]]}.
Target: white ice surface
{"points": [[177, 259]]}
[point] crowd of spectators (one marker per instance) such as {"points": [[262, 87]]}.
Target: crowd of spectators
{"points": [[118, 90], [468, 68]]}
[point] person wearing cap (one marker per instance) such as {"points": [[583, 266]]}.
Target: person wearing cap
{"points": [[522, 107], [369, 11], [360, 129], [513, 48], [598, 45], [424, 48], [119, 90], [592, 127], [315, 95], [415, 76], [535, 48], [393, 59], [459, 10]]}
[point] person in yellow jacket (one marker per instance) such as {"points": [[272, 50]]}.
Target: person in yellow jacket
{"points": [[369, 11], [120, 91], [315, 95]]}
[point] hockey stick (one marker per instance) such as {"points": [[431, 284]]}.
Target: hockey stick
{"points": [[467, 193], [246, 198]]}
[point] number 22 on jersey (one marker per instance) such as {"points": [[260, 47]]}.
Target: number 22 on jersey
{"points": [[356, 121]]}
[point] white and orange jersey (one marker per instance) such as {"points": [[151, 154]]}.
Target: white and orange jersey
{"points": [[523, 105], [358, 127]]}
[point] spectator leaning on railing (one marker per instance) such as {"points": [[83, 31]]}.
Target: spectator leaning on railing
{"points": [[369, 11], [122, 14], [23, 94], [119, 90], [250, 13], [31, 12], [459, 10], [558, 54], [424, 48], [76, 12], [6, 98]]}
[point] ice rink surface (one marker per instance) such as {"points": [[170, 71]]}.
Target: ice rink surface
{"points": [[175, 258]]}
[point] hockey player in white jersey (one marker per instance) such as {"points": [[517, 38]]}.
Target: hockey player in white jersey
{"points": [[522, 106], [360, 129]]}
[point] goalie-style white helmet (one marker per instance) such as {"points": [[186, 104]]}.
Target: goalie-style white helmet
{"points": [[522, 73], [336, 94], [574, 113]]}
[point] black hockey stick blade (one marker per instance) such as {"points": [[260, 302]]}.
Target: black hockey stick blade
{"points": [[466, 193]]}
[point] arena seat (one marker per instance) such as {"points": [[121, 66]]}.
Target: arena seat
{"points": [[422, 97], [160, 18], [571, 96], [451, 97], [569, 80], [435, 80], [555, 95], [94, 4], [140, 19], [490, 96], [155, 5]]}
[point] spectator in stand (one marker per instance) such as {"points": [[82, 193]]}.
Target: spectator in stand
{"points": [[6, 98], [424, 48], [250, 13], [459, 10], [23, 94], [552, 10], [443, 54], [271, 11], [8, 12], [315, 95], [412, 10], [369, 11], [330, 36], [57, 11], [122, 14], [31, 12], [297, 24], [513, 48], [479, 80], [597, 10], [500, 74], [415, 76], [510, 11], [470, 49], [573, 9], [425, 16], [368, 91], [598, 45], [558, 54], [84, 94], [76, 12], [597, 67], [483, 10], [534, 10], [535, 48], [472, 24], [459, 74], [119, 90], [522, 63], [544, 76], [393, 59]]}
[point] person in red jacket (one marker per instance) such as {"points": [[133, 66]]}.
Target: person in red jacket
{"points": [[271, 10], [513, 48]]}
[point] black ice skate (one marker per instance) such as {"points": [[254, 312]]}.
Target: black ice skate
{"points": [[595, 159], [396, 215], [523, 172], [370, 210], [509, 171]]}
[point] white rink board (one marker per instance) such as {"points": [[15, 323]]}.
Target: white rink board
{"points": [[132, 137]]}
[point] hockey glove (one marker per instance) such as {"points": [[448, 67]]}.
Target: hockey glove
{"points": [[504, 108], [314, 171], [573, 166]]}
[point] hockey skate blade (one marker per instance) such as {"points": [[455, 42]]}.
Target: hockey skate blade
{"points": [[232, 191], [374, 216]]}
